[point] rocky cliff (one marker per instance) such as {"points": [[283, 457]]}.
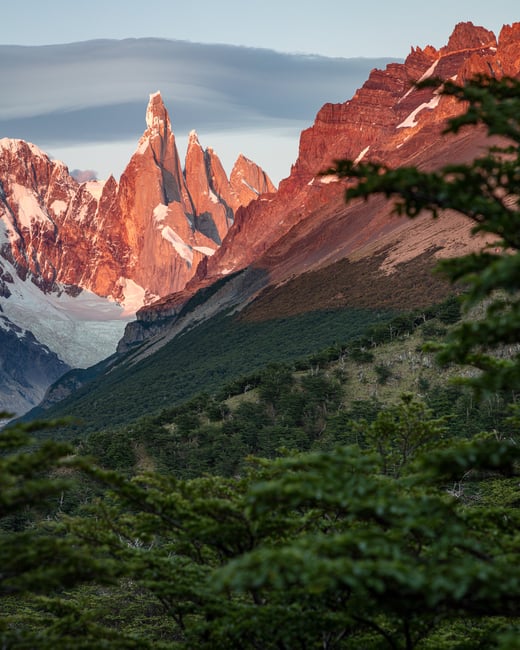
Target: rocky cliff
{"points": [[387, 120], [77, 259], [132, 241], [306, 225]]}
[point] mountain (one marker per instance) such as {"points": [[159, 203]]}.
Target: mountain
{"points": [[26, 368], [300, 269], [129, 241], [77, 259], [387, 120], [307, 228]]}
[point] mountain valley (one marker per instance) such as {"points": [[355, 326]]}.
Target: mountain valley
{"points": [[78, 259], [308, 435], [202, 253]]}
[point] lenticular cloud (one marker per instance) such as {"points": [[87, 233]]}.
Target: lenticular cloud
{"points": [[95, 90]]}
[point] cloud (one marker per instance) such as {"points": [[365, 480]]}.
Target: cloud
{"points": [[98, 90], [83, 175]]}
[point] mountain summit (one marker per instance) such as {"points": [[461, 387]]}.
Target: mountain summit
{"points": [[157, 118], [130, 241], [65, 246], [307, 228]]}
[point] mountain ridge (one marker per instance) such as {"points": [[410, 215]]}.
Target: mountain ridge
{"points": [[115, 244], [305, 227], [306, 223]]}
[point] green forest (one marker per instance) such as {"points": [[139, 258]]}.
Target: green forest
{"points": [[363, 496]]}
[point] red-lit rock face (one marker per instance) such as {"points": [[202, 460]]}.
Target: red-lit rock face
{"points": [[134, 240], [387, 120], [146, 235]]}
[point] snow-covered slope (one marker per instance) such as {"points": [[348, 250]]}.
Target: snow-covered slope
{"points": [[44, 334], [26, 368], [80, 327]]}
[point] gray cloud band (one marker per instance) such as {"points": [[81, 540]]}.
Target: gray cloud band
{"points": [[97, 90]]}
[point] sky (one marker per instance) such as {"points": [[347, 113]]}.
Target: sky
{"points": [[85, 103]]}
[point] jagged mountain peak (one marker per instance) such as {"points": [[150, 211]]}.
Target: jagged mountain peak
{"points": [[242, 164], [467, 36], [509, 34], [193, 138], [119, 247], [131, 241], [249, 181], [388, 120], [26, 165], [15, 144], [157, 117]]}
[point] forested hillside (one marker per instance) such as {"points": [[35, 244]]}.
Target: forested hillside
{"points": [[278, 326]]}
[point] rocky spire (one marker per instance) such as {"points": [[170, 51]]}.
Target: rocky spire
{"points": [[248, 180], [213, 215], [134, 240], [467, 36], [157, 118]]}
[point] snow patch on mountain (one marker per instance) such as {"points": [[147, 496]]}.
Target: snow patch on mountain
{"points": [[249, 186], [185, 251], [213, 197], [430, 71], [7, 326], [330, 178], [58, 207], [95, 188], [411, 121], [205, 250], [425, 76], [81, 329], [361, 155], [159, 214], [135, 296], [29, 209]]}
